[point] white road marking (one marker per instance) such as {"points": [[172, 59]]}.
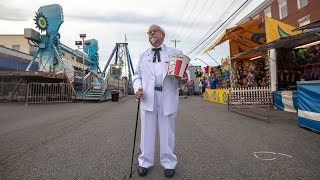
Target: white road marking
{"points": [[267, 152]]}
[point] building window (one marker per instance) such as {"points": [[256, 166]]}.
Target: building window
{"points": [[267, 12], [283, 10], [304, 21], [16, 47], [302, 3]]}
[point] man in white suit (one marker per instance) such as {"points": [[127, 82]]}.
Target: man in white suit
{"points": [[159, 102]]}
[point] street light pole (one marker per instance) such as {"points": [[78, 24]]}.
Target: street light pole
{"points": [[82, 36]]}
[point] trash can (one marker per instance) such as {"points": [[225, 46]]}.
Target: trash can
{"points": [[114, 96]]}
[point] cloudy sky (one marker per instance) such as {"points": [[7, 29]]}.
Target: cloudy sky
{"points": [[190, 21]]}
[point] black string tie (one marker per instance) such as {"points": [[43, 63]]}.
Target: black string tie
{"points": [[156, 54]]}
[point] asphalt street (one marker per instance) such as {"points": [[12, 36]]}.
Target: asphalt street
{"points": [[94, 141]]}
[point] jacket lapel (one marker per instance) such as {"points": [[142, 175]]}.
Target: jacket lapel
{"points": [[150, 61], [166, 59]]}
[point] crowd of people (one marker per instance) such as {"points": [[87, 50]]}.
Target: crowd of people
{"points": [[204, 83]]}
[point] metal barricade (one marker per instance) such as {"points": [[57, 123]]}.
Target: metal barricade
{"points": [[254, 102], [49, 93], [13, 91]]}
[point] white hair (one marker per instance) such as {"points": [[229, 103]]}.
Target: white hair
{"points": [[162, 30]]}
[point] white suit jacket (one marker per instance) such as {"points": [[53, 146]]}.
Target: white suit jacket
{"points": [[144, 76]]}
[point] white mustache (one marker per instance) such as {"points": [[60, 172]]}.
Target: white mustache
{"points": [[153, 40]]}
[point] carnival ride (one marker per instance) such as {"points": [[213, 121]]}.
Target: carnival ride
{"points": [[82, 70], [121, 67]]}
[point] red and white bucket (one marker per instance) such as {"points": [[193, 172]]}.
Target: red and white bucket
{"points": [[178, 65]]}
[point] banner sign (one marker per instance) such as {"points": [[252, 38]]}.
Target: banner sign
{"points": [[216, 95]]}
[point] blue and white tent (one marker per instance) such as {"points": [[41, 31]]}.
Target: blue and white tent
{"points": [[309, 104], [286, 100]]}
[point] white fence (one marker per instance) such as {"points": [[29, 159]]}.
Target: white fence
{"points": [[252, 101], [251, 95]]}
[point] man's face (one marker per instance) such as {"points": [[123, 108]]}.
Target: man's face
{"points": [[156, 37]]}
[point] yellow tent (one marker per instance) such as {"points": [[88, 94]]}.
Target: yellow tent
{"points": [[276, 29], [252, 34], [243, 37]]}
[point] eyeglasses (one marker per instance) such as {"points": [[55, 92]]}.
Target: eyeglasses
{"points": [[153, 31]]}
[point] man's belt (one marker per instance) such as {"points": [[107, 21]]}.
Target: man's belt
{"points": [[158, 88]]}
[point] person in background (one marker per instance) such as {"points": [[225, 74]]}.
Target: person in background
{"points": [[193, 87], [206, 80], [190, 88], [214, 82], [200, 88], [204, 86], [159, 101]]}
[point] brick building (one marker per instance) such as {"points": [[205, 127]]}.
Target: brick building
{"points": [[294, 12], [18, 43]]}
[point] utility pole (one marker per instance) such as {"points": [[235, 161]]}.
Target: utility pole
{"points": [[175, 42]]}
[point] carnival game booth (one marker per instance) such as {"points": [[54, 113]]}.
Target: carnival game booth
{"points": [[296, 58], [222, 73], [252, 69], [252, 72]]}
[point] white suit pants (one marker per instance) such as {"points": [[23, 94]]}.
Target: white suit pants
{"points": [[149, 122]]}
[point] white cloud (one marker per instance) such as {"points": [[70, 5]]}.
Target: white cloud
{"points": [[108, 22]]}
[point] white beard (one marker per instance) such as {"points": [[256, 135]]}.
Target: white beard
{"points": [[153, 40]]}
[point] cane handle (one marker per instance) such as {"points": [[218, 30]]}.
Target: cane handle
{"points": [[139, 89]]}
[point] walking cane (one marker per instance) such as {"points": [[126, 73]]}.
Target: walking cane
{"points": [[135, 134]]}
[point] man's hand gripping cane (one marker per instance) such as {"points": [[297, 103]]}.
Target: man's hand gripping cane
{"points": [[139, 93]]}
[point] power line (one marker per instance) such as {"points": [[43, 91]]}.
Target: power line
{"points": [[195, 18], [212, 38], [218, 32], [218, 21], [188, 16], [180, 20], [220, 25], [212, 2]]}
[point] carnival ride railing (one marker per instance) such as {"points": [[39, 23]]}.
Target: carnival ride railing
{"points": [[87, 81], [104, 86]]}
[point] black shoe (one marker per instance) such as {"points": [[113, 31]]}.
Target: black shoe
{"points": [[142, 171], [169, 173]]}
